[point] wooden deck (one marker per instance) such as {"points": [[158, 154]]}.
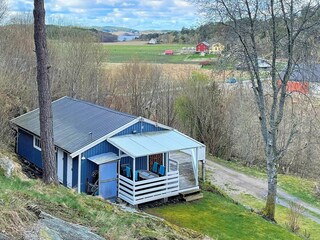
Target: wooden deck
{"points": [[186, 174]]}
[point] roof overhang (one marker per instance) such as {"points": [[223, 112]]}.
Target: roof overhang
{"points": [[138, 145], [104, 158]]}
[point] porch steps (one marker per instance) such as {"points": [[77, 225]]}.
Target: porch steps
{"points": [[191, 195]]}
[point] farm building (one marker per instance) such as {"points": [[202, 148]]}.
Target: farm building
{"points": [[168, 52], [216, 48], [153, 41], [104, 152], [202, 47], [304, 79]]}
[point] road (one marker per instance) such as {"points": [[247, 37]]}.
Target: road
{"points": [[235, 183]]}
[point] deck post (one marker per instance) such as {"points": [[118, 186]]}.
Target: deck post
{"points": [[134, 179], [197, 168], [203, 171], [79, 173]]}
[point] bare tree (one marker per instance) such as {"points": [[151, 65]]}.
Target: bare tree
{"points": [[44, 95], [284, 22], [3, 9]]}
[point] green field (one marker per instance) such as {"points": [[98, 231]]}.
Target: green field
{"points": [[120, 53], [220, 218]]}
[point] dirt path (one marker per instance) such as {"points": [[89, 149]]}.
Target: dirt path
{"points": [[235, 183]]}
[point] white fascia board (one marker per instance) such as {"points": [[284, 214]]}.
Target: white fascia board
{"points": [[155, 123], [189, 137], [76, 153]]}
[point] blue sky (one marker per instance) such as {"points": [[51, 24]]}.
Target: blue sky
{"points": [[141, 15]]}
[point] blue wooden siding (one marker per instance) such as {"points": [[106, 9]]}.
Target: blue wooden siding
{"points": [[87, 167], [75, 166], [26, 150], [141, 162], [140, 127]]}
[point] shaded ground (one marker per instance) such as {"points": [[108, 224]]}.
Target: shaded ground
{"points": [[236, 183]]}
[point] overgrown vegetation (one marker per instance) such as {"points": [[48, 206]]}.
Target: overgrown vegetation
{"points": [[107, 220]]}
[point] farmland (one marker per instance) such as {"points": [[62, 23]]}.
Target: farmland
{"points": [[126, 52]]}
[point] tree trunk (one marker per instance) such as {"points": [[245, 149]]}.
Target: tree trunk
{"points": [[269, 211], [44, 95]]}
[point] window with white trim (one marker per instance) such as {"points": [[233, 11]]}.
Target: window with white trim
{"points": [[36, 143]]}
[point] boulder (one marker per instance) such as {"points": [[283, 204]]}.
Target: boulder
{"points": [[7, 165], [52, 228]]}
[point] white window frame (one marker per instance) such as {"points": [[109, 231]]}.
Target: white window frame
{"points": [[34, 143]]}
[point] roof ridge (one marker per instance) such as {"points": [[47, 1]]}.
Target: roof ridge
{"points": [[101, 107]]}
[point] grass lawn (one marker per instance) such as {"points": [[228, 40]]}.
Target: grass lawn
{"points": [[220, 218], [307, 226], [205, 57], [147, 53], [299, 187]]}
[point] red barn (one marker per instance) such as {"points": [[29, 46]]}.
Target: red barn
{"points": [[302, 77], [202, 47]]}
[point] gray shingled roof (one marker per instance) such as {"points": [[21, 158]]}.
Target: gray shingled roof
{"points": [[73, 120], [304, 73]]}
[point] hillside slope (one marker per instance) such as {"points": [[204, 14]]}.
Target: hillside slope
{"points": [[18, 193]]}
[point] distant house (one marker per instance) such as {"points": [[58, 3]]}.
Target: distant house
{"points": [[262, 64], [168, 52], [100, 151], [153, 41], [202, 47], [304, 79], [216, 48]]}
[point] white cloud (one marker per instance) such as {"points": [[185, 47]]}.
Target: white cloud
{"points": [[138, 14]]}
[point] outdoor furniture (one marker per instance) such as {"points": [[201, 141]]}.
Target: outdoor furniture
{"points": [[155, 167], [162, 170], [128, 172], [145, 174], [123, 168], [136, 175]]}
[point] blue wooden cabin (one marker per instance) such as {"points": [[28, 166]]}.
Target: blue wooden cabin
{"points": [[104, 152]]}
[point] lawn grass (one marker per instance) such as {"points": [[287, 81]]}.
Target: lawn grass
{"points": [[296, 186], [306, 225], [220, 218], [145, 53], [106, 219]]}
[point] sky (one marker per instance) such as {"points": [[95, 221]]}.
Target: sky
{"points": [[136, 14]]}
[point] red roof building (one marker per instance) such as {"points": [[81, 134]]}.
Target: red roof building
{"points": [[168, 52], [202, 47]]}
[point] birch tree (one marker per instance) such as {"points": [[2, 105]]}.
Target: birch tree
{"points": [[44, 95], [284, 23]]}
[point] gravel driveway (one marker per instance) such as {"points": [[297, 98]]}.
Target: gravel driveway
{"points": [[235, 183]]}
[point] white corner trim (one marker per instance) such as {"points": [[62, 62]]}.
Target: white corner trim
{"points": [[155, 123]]}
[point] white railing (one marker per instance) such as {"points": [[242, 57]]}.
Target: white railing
{"points": [[148, 190]]}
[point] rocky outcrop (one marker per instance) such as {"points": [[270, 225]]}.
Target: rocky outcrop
{"points": [[7, 165], [52, 228]]}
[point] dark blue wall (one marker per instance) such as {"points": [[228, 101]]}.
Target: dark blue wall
{"points": [[141, 162], [140, 127], [26, 150], [75, 168], [87, 167]]}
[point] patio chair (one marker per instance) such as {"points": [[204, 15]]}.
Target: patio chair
{"points": [[162, 170], [128, 172], [155, 167], [136, 175]]}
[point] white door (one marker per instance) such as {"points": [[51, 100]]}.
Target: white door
{"points": [[60, 165], [69, 172]]}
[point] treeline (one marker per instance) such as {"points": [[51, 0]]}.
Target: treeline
{"points": [[56, 32]]}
